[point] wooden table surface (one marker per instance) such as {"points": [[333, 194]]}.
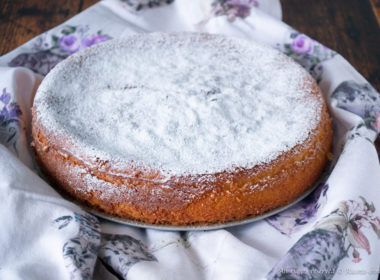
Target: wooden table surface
{"points": [[351, 27]]}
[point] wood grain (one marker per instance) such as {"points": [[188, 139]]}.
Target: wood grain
{"points": [[22, 20], [349, 27], [376, 9]]}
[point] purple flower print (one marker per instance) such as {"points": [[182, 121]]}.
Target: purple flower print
{"points": [[9, 120], [317, 254], [305, 211], [360, 99], [10, 110], [352, 219], [80, 252], [40, 62], [376, 125], [138, 5], [307, 52], [232, 8], [357, 239], [95, 39], [50, 50], [14, 110], [5, 97], [121, 252], [69, 43], [302, 44], [241, 8]]}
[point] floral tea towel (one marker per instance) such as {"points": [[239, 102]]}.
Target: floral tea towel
{"points": [[332, 234]]}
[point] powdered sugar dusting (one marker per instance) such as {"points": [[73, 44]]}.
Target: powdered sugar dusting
{"points": [[182, 103]]}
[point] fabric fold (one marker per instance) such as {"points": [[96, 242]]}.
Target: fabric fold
{"points": [[334, 233]]}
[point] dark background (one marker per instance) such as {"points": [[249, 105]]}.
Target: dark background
{"points": [[350, 27]]}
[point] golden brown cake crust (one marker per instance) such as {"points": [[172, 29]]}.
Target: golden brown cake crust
{"points": [[229, 196], [143, 191]]}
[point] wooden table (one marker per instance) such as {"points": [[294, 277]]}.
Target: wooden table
{"points": [[351, 27]]}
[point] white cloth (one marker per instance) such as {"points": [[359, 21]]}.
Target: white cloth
{"points": [[333, 233]]}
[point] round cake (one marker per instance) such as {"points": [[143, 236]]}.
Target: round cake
{"points": [[181, 128]]}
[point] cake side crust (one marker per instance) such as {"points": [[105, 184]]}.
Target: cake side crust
{"points": [[228, 130], [222, 197]]}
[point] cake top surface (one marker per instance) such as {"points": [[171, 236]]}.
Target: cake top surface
{"points": [[180, 103]]}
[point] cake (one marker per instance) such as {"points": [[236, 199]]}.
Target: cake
{"points": [[181, 129]]}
